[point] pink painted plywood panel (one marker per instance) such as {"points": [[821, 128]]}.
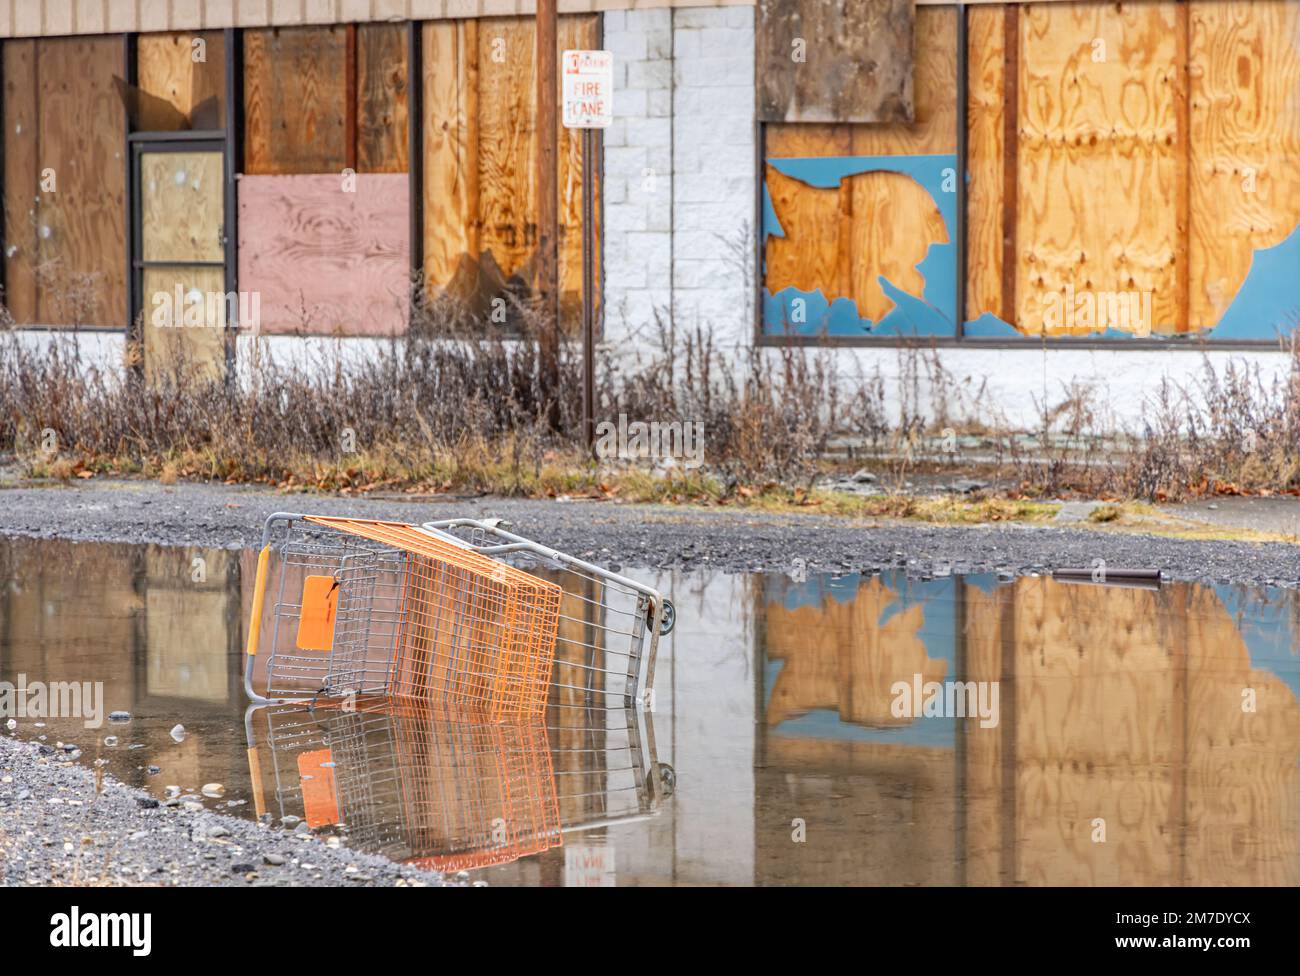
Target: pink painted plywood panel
{"points": [[327, 260]]}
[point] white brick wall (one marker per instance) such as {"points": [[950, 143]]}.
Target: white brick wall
{"points": [[679, 171], [638, 171]]}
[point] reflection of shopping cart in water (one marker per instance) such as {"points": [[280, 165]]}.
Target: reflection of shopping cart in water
{"points": [[460, 612], [450, 789]]}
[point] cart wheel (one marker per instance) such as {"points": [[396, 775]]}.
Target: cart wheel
{"points": [[667, 779], [669, 619]]}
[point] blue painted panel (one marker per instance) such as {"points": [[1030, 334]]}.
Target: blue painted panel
{"points": [[933, 313]]}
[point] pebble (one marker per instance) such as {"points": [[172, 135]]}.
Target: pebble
{"points": [[178, 733], [110, 741], [212, 790], [275, 860], [119, 716], [218, 831]]}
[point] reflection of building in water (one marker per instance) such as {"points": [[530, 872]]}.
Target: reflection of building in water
{"points": [[158, 625], [1119, 707], [450, 789]]}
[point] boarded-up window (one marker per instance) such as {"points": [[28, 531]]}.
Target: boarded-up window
{"points": [[859, 220], [182, 81], [64, 182], [321, 99], [480, 187], [835, 60], [1131, 173]]}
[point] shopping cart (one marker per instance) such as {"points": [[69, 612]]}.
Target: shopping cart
{"points": [[365, 607], [449, 789], [460, 612], [609, 625]]}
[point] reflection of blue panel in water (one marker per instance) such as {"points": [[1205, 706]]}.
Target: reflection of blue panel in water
{"points": [[938, 633], [1266, 631]]}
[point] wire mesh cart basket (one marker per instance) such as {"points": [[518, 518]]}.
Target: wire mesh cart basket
{"points": [[448, 788], [461, 613], [609, 625]]}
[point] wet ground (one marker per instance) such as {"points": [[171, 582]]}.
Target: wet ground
{"points": [[662, 537], [806, 729]]}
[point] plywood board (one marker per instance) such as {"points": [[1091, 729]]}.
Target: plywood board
{"points": [[843, 240], [326, 260], [187, 75], [181, 206], [170, 339], [835, 60], [986, 125], [21, 180], [480, 195], [81, 225], [1245, 144], [1101, 158], [381, 110], [295, 100]]}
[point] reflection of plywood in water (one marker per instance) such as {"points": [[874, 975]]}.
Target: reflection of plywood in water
{"points": [[187, 624], [1242, 817], [1095, 734], [838, 656], [63, 602], [873, 814], [1128, 708], [988, 624]]}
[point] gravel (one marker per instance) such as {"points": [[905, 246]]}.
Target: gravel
{"points": [[637, 536], [57, 828]]}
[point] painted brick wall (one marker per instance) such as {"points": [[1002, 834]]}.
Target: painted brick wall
{"points": [[679, 171]]}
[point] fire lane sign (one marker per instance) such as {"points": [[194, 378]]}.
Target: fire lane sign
{"points": [[588, 89]]}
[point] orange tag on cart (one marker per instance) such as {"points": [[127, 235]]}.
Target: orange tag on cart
{"points": [[319, 805], [320, 603]]}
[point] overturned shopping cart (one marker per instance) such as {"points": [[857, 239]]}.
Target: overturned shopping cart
{"points": [[447, 789], [460, 612]]}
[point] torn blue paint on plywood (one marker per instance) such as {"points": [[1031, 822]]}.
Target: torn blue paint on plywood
{"points": [[932, 313], [1266, 306]]}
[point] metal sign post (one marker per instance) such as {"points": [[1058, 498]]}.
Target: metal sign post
{"points": [[588, 105]]}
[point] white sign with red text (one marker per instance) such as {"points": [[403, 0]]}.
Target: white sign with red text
{"points": [[588, 89]]}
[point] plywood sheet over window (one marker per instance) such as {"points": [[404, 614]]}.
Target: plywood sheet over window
{"points": [[326, 259], [1102, 178], [64, 177], [1132, 169], [1245, 147], [480, 192], [182, 78], [855, 244], [320, 99], [835, 60]]}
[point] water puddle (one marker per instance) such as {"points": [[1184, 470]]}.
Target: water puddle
{"points": [[837, 730]]}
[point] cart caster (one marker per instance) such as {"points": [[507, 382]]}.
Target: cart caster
{"points": [[667, 779], [669, 619]]}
